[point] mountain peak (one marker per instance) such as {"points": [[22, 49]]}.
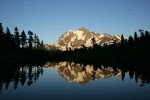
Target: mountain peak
{"points": [[83, 29], [82, 36], [69, 30]]}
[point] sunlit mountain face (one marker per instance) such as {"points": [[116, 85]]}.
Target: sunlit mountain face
{"points": [[82, 37], [83, 73]]}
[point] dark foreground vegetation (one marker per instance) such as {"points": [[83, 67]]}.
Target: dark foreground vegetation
{"points": [[134, 50], [19, 46]]}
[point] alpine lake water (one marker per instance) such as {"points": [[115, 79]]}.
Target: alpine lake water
{"points": [[71, 81]]}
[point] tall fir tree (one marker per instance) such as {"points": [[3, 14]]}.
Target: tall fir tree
{"points": [[23, 39], [30, 39], [17, 37], [147, 39], [35, 41], [38, 42], [7, 38], [1, 30], [122, 41], [136, 40], [130, 41], [1, 37], [42, 45]]}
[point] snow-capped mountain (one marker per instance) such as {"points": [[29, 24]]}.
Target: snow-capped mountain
{"points": [[83, 73], [83, 37]]}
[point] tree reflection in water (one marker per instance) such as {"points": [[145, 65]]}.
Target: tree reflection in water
{"points": [[72, 72], [16, 74], [83, 73]]}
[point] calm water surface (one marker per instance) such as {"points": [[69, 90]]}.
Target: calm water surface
{"points": [[64, 81]]}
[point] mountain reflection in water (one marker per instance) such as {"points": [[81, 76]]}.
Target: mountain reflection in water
{"points": [[72, 72], [83, 73]]}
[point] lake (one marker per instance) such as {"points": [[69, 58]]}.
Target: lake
{"points": [[73, 81]]}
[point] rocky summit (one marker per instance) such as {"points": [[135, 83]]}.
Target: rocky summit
{"points": [[83, 37]]}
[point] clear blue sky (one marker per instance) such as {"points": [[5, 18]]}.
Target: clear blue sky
{"points": [[51, 18]]}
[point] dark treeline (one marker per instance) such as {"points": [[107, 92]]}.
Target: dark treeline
{"points": [[134, 50], [19, 45]]}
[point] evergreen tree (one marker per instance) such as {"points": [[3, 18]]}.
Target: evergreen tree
{"points": [[147, 33], [23, 39], [141, 33], [17, 39], [1, 36], [94, 42], [147, 39], [7, 38], [1, 30], [122, 41], [130, 41], [42, 44], [30, 40], [38, 42], [135, 36], [8, 34], [136, 40], [35, 41], [141, 38]]}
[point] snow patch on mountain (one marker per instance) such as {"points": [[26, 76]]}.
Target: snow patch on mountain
{"points": [[83, 37], [88, 43], [118, 37], [79, 34]]}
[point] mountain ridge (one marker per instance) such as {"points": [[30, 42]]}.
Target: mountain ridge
{"points": [[83, 37]]}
